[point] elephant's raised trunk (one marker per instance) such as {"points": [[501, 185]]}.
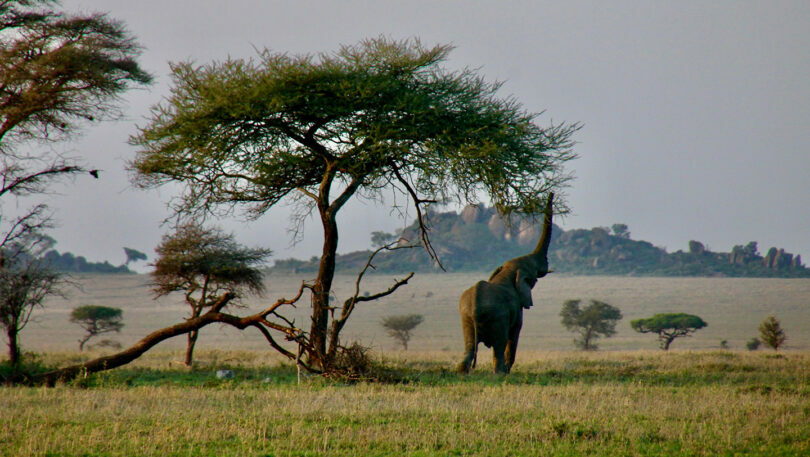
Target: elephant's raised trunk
{"points": [[545, 236]]}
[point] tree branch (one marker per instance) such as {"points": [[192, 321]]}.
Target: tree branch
{"points": [[419, 217]]}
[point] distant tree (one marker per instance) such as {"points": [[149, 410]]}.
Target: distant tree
{"points": [[752, 344], [400, 327], [598, 318], [669, 326], [96, 320], [133, 255], [321, 130], [205, 263], [621, 230], [381, 238], [771, 333], [25, 281]]}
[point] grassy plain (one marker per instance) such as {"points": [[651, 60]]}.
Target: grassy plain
{"points": [[626, 399], [555, 403]]}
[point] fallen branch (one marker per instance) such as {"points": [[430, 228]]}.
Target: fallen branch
{"points": [[258, 321]]}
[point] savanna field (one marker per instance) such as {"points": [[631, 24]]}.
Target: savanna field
{"points": [[628, 398]]}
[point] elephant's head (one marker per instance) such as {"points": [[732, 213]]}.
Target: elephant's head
{"points": [[522, 272]]}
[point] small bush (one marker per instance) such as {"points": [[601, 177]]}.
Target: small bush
{"points": [[752, 344], [770, 330]]}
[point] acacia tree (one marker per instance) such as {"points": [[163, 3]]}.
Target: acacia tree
{"points": [[133, 255], [321, 129], [598, 318], [669, 326], [56, 71], [96, 320], [205, 263], [399, 327]]}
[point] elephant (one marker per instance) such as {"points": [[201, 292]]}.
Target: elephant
{"points": [[492, 311]]}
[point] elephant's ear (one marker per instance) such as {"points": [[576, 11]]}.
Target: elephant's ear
{"points": [[523, 286]]}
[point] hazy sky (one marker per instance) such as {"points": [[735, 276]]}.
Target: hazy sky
{"points": [[696, 114]]}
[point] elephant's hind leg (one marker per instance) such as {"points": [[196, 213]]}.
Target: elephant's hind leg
{"points": [[498, 358]]}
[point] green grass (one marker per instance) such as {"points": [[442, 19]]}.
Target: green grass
{"points": [[559, 404]]}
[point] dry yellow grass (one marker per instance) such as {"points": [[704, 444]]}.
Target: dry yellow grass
{"points": [[555, 403]]}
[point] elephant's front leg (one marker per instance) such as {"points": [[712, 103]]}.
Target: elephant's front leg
{"points": [[470, 346], [512, 342], [511, 350]]}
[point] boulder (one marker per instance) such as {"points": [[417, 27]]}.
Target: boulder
{"points": [[471, 214]]}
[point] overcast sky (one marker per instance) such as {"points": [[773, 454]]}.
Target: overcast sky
{"points": [[696, 114]]}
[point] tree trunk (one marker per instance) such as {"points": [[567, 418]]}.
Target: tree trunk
{"points": [[667, 341], [13, 346], [192, 340], [83, 341], [321, 290]]}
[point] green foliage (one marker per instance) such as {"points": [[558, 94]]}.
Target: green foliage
{"points": [[771, 333], [379, 239], [620, 230], [669, 326], [598, 318], [96, 313], [195, 259], [753, 344], [71, 263], [57, 68], [96, 320], [400, 326], [251, 132]]}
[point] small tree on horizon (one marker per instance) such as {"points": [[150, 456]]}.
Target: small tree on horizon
{"points": [[771, 333], [669, 326], [133, 255], [96, 320], [400, 327], [205, 263], [598, 318]]}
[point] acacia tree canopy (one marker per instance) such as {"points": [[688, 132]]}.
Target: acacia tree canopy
{"points": [[95, 320], [669, 326], [321, 129]]}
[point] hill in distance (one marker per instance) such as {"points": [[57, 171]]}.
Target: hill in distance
{"points": [[479, 239]]}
